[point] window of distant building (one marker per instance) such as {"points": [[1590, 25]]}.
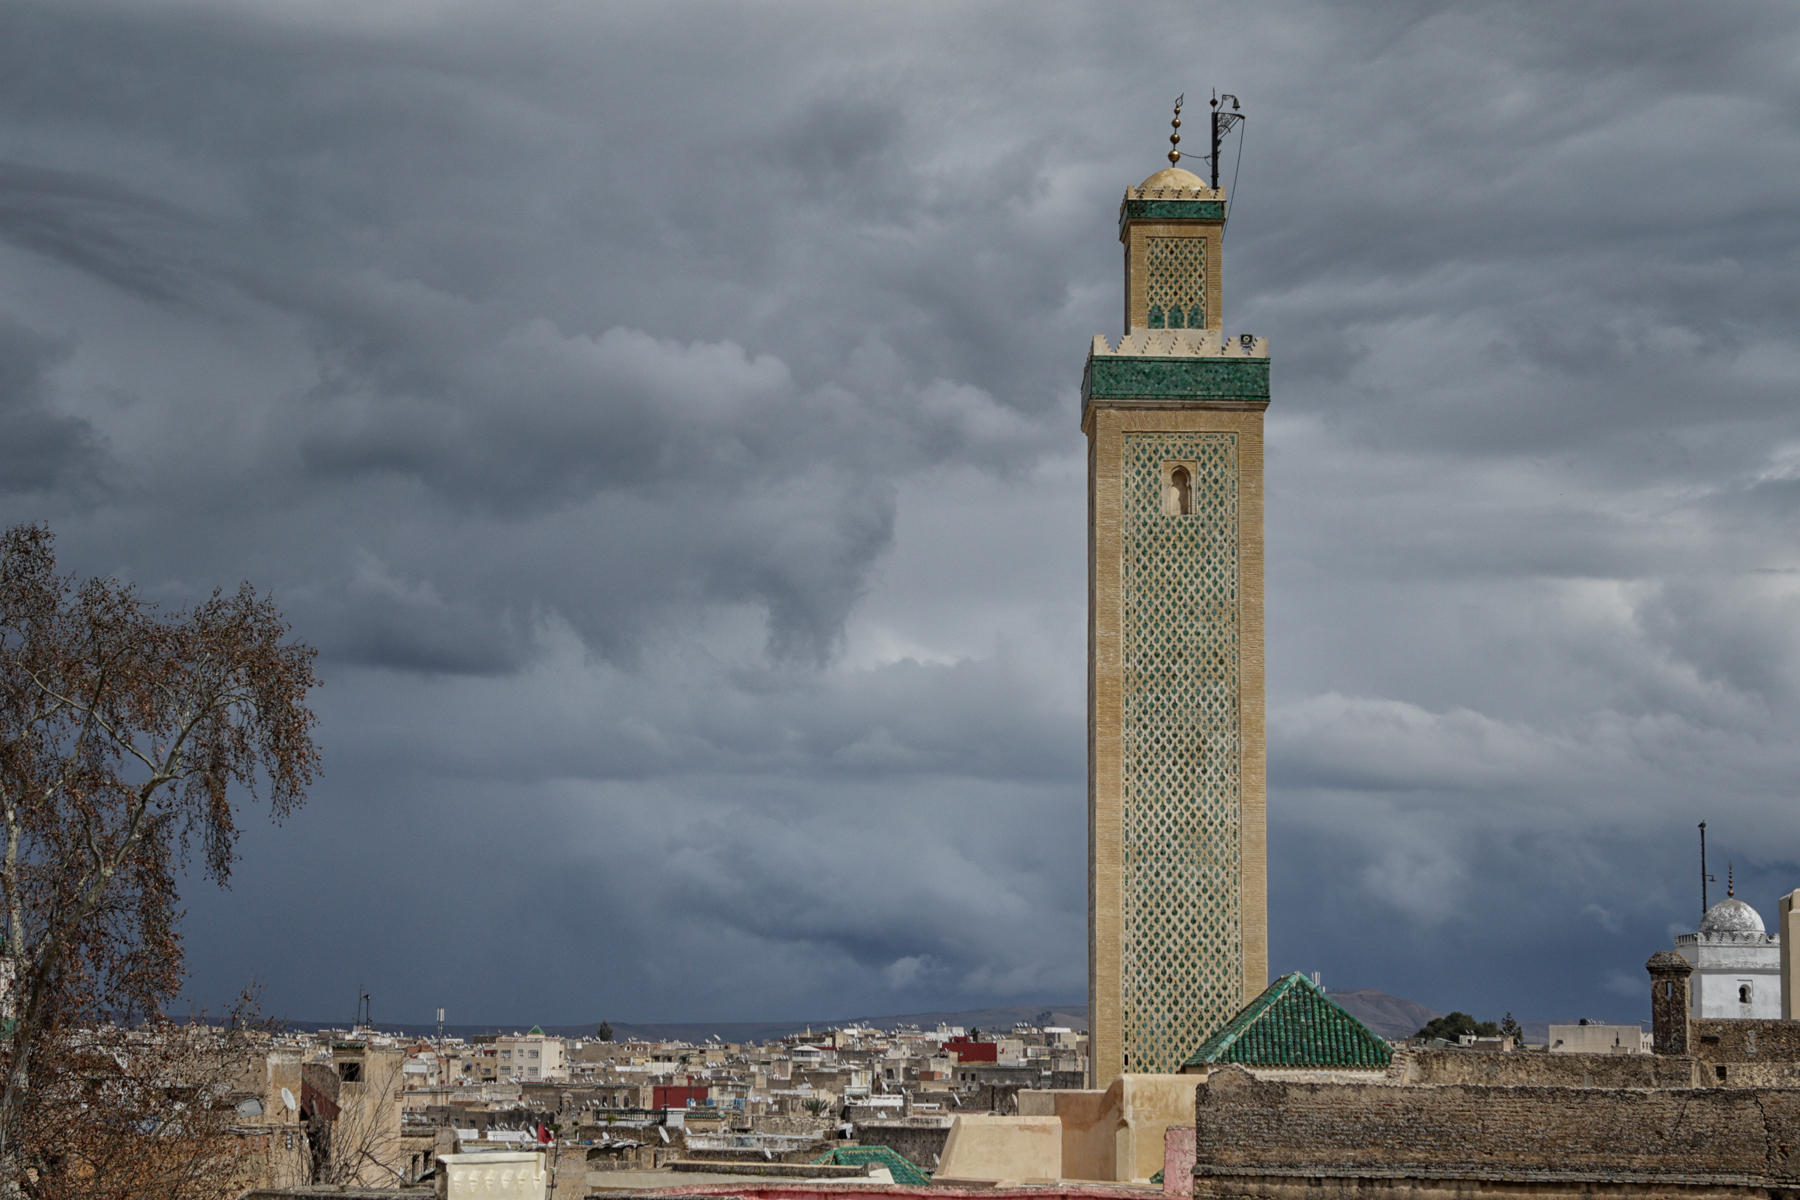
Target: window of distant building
{"points": [[1743, 993]]}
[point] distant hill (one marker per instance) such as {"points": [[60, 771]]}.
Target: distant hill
{"points": [[1389, 1016], [988, 1020]]}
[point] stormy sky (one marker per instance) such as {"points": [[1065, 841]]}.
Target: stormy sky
{"points": [[663, 418]]}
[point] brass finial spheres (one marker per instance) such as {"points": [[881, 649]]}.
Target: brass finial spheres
{"points": [[1175, 135]]}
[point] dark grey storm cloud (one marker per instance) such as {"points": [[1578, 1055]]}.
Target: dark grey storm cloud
{"points": [[663, 418]]}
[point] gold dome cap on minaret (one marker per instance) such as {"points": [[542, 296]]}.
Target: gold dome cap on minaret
{"points": [[1176, 178], [1173, 183]]}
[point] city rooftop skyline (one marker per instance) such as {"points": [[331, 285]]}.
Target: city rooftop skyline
{"points": [[664, 421]]}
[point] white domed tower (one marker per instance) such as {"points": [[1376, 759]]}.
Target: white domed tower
{"points": [[1737, 963]]}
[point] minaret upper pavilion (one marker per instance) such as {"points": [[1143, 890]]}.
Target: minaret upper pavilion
{"points": [[1177, 778]]}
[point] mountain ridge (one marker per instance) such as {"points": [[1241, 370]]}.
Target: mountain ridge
{"points": [[1387, 1015]]}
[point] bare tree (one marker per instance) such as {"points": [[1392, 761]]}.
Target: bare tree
{"points": [[162, 1110], [126, 737]]}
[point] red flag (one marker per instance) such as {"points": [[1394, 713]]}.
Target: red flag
{"points": [[543, 1135]]}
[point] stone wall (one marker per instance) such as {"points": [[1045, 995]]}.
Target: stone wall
{"points": [[1543, 1070], [920, 1145], [1669, 996], [1247, 1129], [740, 1156], [794, 1122], [1737, 1041]]}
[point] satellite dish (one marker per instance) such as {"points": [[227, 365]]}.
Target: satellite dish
{"points": [[287, 1098]]}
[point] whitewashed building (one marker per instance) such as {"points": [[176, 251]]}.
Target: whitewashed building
{"points": [[1737, 963]]}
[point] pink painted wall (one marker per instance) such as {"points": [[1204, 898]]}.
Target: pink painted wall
{"points": [[1178, 1161]]}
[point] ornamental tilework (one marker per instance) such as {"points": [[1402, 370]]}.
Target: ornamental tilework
{"points": [[1182, 938], [1293, 1024], [1119, 377], [1175, 282], [1171, 210]]}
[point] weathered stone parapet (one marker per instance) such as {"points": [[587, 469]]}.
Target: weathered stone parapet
{"points": [[1433, 1067], [1662, 1141], [1669, 1017]]}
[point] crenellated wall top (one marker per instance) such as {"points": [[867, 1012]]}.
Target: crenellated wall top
{"points": [[1181, 343]]}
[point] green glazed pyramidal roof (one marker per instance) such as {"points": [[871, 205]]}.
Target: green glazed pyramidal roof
{"points": [[1293, 1024], [861, 1156]]}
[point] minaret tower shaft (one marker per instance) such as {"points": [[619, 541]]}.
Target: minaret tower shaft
{"points": [[1177, 894]]}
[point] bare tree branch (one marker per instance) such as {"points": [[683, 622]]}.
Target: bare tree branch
{"points": [[125, 733]]}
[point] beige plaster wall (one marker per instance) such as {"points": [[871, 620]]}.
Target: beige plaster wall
{"points": [[1787, 924], [1015, 1149], [1115, 1135], [1088, 1121], [1148, 1107]]}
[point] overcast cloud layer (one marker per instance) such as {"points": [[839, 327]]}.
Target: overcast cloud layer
{"points": [[663, 418]]}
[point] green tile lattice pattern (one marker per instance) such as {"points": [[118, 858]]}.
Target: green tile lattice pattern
{"points": [[1175, 282], [1182, 946]]}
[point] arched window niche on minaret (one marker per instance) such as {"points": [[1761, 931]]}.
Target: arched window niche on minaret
{"points": [[1156, 316], [1178, 491], [1175, 317]]}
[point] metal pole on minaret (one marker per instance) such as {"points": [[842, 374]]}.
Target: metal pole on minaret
{"points": [[1222, 122], [1703, 875]]}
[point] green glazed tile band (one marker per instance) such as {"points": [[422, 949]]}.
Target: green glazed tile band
{"points": [[1171, 210], [1127, 377]]}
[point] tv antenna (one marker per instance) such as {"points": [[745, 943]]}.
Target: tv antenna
{"points": [[1222, 124], [1704, 877], [363, 1020]]}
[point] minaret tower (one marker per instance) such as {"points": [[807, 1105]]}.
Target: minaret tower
{"points": [[1177, 907]]}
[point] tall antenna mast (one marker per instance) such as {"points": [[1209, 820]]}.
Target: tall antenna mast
{"points": [[1704, 877], [1222, 123]]}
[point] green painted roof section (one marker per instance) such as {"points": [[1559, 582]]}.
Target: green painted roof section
{"points": [[1293, 1024], [862, 1156], [536, 1031], [1170, 210], [1136, 377]]}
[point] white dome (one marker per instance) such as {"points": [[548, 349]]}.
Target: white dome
{"points": [[1731, 915]]}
